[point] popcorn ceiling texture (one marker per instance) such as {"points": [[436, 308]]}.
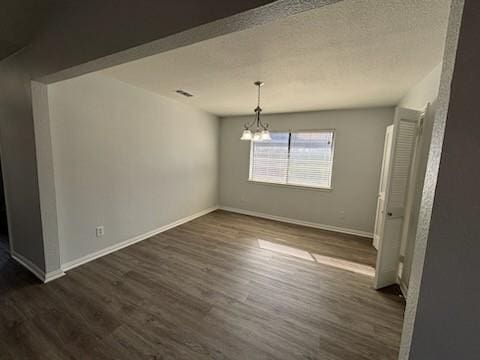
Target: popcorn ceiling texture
{"points": [[356, 53], [194, 31]]}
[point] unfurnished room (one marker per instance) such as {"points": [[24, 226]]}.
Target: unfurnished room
{"points": [[238, 180]]}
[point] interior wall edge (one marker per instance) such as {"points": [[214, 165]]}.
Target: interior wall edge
{"points": [[428, 194], [46, 175], [43, 276]]}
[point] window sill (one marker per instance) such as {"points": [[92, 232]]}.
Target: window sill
{"points": [[299, 187]]}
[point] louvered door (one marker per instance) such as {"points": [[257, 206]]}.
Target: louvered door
{"points": [[405, 129]]}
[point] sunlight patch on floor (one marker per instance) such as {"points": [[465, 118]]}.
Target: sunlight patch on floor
{"points": [[284, 249], [321, 259], [345, 265]]}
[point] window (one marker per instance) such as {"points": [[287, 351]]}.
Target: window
{"points": [[294, 158]]}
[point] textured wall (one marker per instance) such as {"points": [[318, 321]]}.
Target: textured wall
{"points": [[351, 204], [427, 204], [448, 314]]}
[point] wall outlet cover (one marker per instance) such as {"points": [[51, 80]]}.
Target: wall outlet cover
{"points": [[100, 231]]}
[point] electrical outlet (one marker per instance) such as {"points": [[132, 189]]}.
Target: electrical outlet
{"points": [[100, 231]]}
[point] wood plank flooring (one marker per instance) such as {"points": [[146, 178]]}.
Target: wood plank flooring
{"points": [[206, 290]]}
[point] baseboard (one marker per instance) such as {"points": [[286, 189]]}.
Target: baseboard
{"points": [[299, 222], [53, 275], [35, 270], [403, 288], [95, 255]]}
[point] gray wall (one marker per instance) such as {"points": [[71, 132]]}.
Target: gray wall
{"points": [[360, 136], [77, 32], [127, 159], [17, 146], [447, 320]]}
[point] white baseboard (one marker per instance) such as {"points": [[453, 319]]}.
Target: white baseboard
{"points": [[95, 255], [299, 222], [53, 275], [403, 288], [35, 270], [46, 277]]}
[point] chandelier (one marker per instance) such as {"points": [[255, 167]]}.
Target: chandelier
{"points": [[256, 130]]}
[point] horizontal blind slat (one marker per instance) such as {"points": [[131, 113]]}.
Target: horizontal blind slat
{"points": [[269, 161], [308, 162], [311, 157]]}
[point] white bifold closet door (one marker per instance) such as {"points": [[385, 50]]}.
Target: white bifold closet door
{"points": [[397, 174]]}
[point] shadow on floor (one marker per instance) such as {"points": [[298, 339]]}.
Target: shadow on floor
{"points": [[13, 276]]}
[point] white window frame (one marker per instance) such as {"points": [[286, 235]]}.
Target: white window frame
{"points": [[321, 188]]}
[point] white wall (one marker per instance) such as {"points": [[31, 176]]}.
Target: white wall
{"points": [[127, 159], [426, 91], [356, 171]]}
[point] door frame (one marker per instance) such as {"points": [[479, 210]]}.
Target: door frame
{"points": [[388, 135]]}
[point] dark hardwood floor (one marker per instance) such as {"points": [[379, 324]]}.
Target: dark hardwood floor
{"points": [[209, 289]]}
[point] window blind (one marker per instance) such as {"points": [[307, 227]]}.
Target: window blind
{"points": [[296, 158], [269, 159]]}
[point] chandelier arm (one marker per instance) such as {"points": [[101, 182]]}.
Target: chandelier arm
{"points": [[262, 125], [249, 125]]}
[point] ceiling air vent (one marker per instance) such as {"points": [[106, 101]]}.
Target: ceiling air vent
{"points": [[184, 93]]}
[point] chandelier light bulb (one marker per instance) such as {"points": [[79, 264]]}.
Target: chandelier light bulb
{"points": [[265, 135], [246, 135]]}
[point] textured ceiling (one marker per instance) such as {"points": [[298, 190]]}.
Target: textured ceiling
{"points": [[356, 53]]}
